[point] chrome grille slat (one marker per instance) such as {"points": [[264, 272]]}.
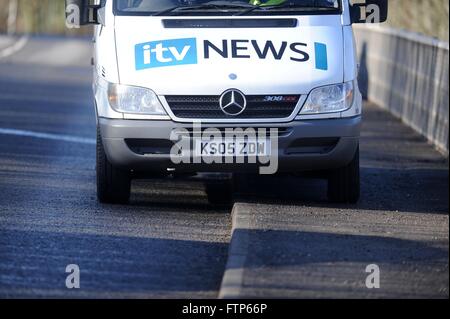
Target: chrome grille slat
{"points": [[207, 107]]}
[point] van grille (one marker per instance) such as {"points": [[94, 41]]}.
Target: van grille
{"points": [[207, 107]]}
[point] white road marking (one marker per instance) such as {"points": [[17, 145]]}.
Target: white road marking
{"points": [[48, 136], [17, 46]]}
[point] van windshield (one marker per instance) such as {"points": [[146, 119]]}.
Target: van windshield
{"points": [[224, 7]]}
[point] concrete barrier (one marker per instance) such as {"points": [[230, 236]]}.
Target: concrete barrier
{"points": [[407, 73]]}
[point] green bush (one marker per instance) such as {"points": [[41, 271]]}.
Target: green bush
{"points": [[38, 16], [429, 17]]}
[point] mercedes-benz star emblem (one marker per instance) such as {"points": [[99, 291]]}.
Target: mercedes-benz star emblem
{"points": [[233, 102]]}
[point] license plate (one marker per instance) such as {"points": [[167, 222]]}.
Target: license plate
{"points": [[233, 148]]}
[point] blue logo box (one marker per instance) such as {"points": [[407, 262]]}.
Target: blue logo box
{"points": [[165, 53]]}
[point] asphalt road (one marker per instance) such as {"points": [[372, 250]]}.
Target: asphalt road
{"points": [[169, 242], [288, 242]]}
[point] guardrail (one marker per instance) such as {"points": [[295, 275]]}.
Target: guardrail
{"points": [[407, 73]]}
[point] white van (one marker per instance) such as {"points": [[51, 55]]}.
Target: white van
{"points": [[173, 77]]}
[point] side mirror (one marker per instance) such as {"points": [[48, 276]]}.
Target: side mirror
{"points": [[368, 11], [82, 12]]}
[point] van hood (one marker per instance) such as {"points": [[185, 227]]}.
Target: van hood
{"points": [[209, 61]]}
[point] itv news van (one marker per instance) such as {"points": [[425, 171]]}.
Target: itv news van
{"points": [[241, 86]]}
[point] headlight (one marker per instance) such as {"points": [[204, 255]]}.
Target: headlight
{"points": [[329, 99], [133, 99]]}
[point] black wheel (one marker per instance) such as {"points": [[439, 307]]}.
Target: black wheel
{"points": [[220, 192], [344, 182], [113, 184]]}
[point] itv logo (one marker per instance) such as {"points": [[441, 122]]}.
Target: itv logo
{"points": [[166, 53]]}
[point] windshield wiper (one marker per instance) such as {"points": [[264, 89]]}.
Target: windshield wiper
{"points": [[290, 5], [215, 4]]}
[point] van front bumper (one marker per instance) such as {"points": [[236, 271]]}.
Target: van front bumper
{"points": [[144, 145]]}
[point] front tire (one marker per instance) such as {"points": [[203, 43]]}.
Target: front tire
{"points": [[344, 183], [113, 184]]}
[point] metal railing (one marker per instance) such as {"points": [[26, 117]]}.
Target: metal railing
{"points": [[407, 73]]}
